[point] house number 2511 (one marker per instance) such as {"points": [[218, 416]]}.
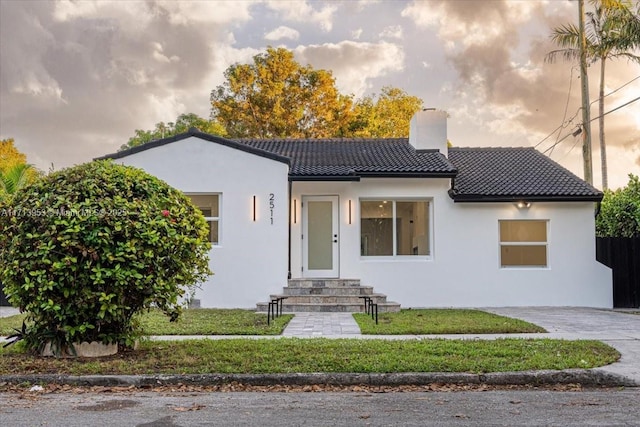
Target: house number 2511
{"points": [[272, 205]]}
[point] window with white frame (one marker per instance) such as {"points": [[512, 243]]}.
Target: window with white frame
{"points": [[209, 204], [523, 243], [394, 228]]}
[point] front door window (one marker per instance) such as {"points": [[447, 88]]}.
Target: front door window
{"points": [[320, 236]]}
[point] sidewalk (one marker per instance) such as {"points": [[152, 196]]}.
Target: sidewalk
{"points": [[8, 311], [617, 329]]}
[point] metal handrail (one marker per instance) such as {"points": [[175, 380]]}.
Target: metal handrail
{"points": [[370, 307], [275, 308]]}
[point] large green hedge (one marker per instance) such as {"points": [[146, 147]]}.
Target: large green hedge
{"points": [[619, 214], [84, 249]]}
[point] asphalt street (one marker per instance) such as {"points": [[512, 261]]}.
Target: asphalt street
{"points": [[463, 408]]}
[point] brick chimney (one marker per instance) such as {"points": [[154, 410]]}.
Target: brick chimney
{"points": [[428, 130]]}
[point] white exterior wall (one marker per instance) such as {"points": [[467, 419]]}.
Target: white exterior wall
{"points": [[250, 263], [464, 267]]}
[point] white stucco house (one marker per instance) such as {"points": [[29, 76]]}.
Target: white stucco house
{"points": [[426, 225]]}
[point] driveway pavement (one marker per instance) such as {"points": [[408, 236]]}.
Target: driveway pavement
{"points": [[586, 322], [618, 329]]}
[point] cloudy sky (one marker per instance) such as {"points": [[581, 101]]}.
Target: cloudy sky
{"points": [[78, 77]]}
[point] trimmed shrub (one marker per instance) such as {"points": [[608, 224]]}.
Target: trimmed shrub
{"points": [[84, 249], [619, 214]]}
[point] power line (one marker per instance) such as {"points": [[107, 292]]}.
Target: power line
{"points": [[566, 123], [566, 108], [571, 149], [547, 137], [565, 112], [615, 90], [576, 132], [559, 141], [617, 108]]}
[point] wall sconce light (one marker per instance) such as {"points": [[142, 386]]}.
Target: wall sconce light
{"points": [[349, 211], [295, 211], [523, 205], [254, 208]]}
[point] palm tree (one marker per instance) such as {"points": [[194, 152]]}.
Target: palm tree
{"points": [[14, 178], [612, 31]]}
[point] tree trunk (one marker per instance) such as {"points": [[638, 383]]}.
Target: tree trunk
{"points": [[603, 147], [586, 113]]}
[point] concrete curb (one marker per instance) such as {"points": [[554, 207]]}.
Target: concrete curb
{"points": [[584, 377]]}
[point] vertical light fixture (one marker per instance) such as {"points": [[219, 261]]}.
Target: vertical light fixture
{"points": [[349, 211], [254, 208], [295, 211]]}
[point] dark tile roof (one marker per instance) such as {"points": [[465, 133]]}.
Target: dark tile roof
{"points": [[480, 174], [354, 158], [509, 174]]}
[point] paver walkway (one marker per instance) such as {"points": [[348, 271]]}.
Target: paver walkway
{"points": [[308, 325]]}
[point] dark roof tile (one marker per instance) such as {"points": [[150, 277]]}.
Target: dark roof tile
{"points": [[481, 174], [504, 174], [355, 157]]}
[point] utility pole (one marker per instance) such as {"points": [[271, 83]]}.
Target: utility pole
{"points": [[586, 113]]}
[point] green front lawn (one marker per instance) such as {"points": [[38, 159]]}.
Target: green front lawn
{"points": [[246, 322], [206, 321], [237, 355], [442, 321], [210, 321], [291, 355]]}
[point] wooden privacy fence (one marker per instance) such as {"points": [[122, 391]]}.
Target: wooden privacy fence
{"points": [[622, 255]]}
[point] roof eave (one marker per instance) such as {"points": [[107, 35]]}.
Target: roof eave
{"points": [[482, 198], [358, 175], [205, 136], [145, 146], [324, 178], [448, 174]]}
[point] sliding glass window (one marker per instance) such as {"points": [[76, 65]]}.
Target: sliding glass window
{"points": [[394, 228]]}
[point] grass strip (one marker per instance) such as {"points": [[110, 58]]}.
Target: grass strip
{"points": [[442, 321], [291, 355], [205, 321], [208, 321]]}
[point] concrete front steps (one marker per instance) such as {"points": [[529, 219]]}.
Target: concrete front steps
{"points": [[328, 295]]}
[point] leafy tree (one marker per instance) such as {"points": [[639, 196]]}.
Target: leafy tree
{"points": [[84, 249], [9, 154], [612, 31], [15, 177], [182, 124], [277, 97], [386, 117], [620, 211], [15, 173]]}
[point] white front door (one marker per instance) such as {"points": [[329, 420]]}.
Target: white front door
{"points": [[320, 238]]}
